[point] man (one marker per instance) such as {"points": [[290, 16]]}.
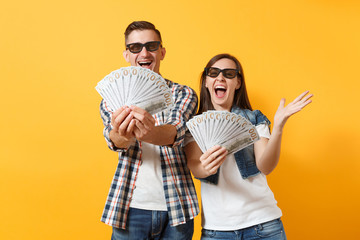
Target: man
{"points": [[152, 195]]}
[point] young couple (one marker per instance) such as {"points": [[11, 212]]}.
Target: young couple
{"points": [[152, 195]]}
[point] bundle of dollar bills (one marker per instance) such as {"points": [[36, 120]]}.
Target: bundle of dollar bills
{"points": [[223, 128], [135, 86]]}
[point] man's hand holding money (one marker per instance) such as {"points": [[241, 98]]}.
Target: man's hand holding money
{"points": [[144, 124], [145, 129], [123, 123]]}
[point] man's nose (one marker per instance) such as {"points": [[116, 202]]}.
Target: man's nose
{"points": [[144, 52]]}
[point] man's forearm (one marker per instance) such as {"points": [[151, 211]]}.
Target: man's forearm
{"points": [[163, 135]]}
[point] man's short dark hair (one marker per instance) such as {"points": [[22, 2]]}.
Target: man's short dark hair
{"points": [[141, 25]]}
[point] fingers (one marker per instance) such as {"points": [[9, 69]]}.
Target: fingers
{"points": [[301, 96], [115, 114], [215, 156], [210, 151], [119, 115], [133, 121], [307, 97], [213, 167], [303, 101], [131, 127], [141, 126], [282, 103], [284, 112], [137, 131], [141, 131], [299, 103], [143, 116], [127, 125]]}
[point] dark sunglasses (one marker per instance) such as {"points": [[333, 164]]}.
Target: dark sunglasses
{"points": [[227, 72], [137, 47]]}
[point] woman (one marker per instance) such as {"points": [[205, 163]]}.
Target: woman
{"points": [[236, 200]]}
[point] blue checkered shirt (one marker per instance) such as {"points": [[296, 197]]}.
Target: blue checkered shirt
{"points": [[180, 195]]}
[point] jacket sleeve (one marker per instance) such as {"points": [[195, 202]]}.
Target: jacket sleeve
{"points": [[260, 118]]}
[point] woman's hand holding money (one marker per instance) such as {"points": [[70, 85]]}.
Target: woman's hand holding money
{"points": [[212, 159]]}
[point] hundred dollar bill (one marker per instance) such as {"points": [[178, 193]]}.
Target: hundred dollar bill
{"points": [[227, 129], [135, 86]]}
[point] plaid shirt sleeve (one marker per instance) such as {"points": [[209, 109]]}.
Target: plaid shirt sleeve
{"points": [[106, 118], [185, 106]]}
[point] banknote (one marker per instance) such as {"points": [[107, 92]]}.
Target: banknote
{"points": [[135, 86], [223, 128]]}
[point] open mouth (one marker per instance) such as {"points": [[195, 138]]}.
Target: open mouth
{"points": [[145, 64], [220, 91]]}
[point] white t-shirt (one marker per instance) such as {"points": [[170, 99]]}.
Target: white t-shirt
{"points": [[149, 191], [236, 203]]}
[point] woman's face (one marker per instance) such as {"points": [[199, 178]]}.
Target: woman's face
{"points": [[222, 89]]}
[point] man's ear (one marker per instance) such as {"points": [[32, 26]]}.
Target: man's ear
{"points": [[126, 55], [163, 52]]}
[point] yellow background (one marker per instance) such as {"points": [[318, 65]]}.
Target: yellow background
{"points": [[55, 166]]}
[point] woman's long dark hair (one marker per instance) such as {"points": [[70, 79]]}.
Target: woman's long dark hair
{"points": [[240, 98]]}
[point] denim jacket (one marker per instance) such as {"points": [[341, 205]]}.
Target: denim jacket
{"points": [[245, 158]]}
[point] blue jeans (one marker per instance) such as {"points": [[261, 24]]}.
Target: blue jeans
{"points": [[147, 224], [273, 230]]}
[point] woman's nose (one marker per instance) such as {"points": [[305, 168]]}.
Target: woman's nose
{"points": [[220, 77]]}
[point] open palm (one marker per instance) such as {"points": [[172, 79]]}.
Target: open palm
{"points": [[283, 113]]}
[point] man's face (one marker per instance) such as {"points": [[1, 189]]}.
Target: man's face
{"points": [[145, 58]]}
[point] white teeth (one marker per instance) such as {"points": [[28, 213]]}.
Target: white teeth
{"points": [[145, 63], [220, 87]]}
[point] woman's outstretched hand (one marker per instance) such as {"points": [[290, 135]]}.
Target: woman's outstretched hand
{"points": [[283, 113]]}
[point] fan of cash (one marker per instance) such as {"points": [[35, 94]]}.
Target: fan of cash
{"points": [[223, 128], [135, 86]]}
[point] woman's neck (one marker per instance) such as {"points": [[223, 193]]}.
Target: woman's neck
{"points": [[221, 108]]}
